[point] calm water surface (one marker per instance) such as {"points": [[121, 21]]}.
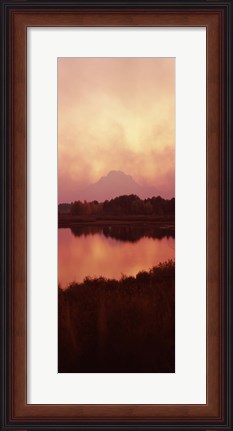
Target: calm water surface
{"points": [[99, 252]]}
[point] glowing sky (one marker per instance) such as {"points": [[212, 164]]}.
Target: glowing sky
{"points": [[116, 114]]}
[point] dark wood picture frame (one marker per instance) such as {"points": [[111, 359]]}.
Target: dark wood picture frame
{"points": [[16, 16]]}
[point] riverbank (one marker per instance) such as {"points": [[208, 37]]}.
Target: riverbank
{"points": [[67, 220]]}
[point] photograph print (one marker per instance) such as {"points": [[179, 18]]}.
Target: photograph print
{"points": [[116, 215]]}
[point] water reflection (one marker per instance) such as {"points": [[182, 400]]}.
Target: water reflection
{"points": [[111, 251], [125, 232]]}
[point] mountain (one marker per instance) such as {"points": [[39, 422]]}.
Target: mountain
{"points": [[115, 183]]}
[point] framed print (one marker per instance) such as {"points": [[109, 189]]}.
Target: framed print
{"points": [[116, 215], [122, 229]]}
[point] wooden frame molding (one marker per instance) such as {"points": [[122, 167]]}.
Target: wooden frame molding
{"points": [[18, 16]]}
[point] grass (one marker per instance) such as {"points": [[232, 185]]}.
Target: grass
{"points": [[128, 325]]}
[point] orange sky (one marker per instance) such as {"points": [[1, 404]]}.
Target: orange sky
{"points": [[116, 114]]}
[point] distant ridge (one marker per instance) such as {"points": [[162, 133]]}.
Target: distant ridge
{"points": [[115, 183]]}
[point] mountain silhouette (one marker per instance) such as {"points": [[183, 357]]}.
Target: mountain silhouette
{"points": [[115, 183]]}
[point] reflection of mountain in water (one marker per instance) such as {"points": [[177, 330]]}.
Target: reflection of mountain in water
{"points": [[127, 233]]}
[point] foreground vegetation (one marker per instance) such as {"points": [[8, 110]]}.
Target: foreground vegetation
{"points": [[119, 326]]}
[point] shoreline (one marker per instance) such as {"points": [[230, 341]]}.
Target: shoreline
{"points": [[67, 220]]}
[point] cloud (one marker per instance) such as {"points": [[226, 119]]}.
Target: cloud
{"points": [[116, 114]]}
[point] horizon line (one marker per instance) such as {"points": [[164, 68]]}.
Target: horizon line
{"points": [[96, 200]]}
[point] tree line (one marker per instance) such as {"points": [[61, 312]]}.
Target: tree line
{"points": [[121, 205]]}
